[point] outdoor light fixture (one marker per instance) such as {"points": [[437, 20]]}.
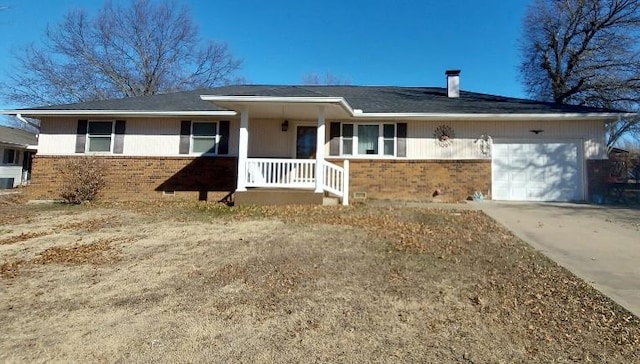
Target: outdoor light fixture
{"points": [[536, 131], [285, 125]]}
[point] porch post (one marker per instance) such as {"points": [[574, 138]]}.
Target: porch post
{"points": [[243, 147], [320, 151]]}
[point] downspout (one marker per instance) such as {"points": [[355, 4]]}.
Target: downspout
{"points": [[19, 116]]}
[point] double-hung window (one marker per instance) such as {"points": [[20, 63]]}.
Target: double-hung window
{"points": [[11, 156], [99, 136], [369, 139], [204, 137]]}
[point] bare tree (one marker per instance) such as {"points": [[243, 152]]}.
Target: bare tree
{"points": [[143, 48], [328, 79], [584, 52]]}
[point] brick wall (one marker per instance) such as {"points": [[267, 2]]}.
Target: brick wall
{"points": [[144, 178], [417, 180]]}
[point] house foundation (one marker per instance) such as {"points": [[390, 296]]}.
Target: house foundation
{"points": [[142, 178], [419, 180]]}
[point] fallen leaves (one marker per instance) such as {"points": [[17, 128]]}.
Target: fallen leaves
{"points": [[23, 236], [88, 225], [490, 277], [99, 252]]}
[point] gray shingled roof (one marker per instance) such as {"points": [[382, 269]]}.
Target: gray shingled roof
{"points": [[9, 135], [371, 99]]}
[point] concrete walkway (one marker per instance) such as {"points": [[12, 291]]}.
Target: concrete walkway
{"points": [[599, 244]]}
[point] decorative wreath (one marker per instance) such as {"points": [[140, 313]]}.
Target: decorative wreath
{"points": [[444, 135], [484, 144]]}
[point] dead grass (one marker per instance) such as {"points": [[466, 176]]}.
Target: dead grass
{"points": [[204, 283]]}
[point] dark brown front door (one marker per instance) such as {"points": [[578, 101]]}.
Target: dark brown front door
{"points": [[306, 142]]}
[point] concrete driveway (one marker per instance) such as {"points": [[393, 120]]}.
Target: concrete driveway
{"points": [[599, 244]]}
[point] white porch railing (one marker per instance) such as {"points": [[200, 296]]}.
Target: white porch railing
{"points": [[297, 173], [336, 180]]}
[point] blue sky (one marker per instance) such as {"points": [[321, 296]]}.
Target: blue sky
{"points": [[383, 42]]}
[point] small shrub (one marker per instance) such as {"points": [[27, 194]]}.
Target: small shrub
{"points": [[83, 178]]}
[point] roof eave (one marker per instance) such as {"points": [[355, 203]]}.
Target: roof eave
{"points": [[19, 145], [219, 100], [137, 113], [493, 116]]}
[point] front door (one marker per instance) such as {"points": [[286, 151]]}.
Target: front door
{"points": [[306, 142]]}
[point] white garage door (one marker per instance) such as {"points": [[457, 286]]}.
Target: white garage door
{"points": [[537, 171]]}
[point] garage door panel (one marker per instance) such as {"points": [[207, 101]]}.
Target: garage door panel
{"points": [[535, 194], [517, 162], [537, 171], [538, 176], [518, 193]]}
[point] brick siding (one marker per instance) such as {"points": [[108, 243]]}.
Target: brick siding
{"points": [[144, 178], [418, 180]]}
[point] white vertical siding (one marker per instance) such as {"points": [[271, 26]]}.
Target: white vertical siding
{"points": [[14, 172], [144, 136], [152, 137], [161, 137], [57, 136], [266, 139], [421, 143]]}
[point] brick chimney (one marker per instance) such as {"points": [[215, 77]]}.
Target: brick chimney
{"points": [[453, 83]]}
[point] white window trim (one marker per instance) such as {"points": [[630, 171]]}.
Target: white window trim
{"points": [[354, 145], [217, 137], [111, 140]]}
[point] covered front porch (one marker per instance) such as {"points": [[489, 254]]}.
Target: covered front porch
{"points": [[305, 176]]}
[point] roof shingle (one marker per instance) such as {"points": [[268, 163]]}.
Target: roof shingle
{"points": [[370, 99]]}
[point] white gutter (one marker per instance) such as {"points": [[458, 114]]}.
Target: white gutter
{"points": [[19, 117], [340, 101], [312, 100], [440, 116], [38, 112]]}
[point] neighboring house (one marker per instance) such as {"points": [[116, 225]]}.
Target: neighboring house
{"points": [[17, 148], [405, 143]]}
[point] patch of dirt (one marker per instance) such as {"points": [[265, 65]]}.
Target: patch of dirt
{"points": [[205, 282]]}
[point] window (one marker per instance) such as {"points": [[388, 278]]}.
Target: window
{"points": [[369, 139], [11, 156], [347, 139], [204, 137], [99, 136]]}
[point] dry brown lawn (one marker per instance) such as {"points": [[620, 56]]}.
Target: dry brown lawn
{"points": [[197, 282]]}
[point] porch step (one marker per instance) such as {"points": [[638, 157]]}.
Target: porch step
{"points": [[330, 201], [275, 196]]}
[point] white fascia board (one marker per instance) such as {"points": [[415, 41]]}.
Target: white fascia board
{"points": [[311, 100], [440, 116], [30, 113], [16, 145], [277, 99]]}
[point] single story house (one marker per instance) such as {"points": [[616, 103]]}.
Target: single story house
{"points": [[17, 147], [383, 142]]}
